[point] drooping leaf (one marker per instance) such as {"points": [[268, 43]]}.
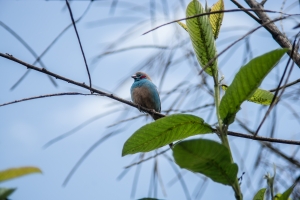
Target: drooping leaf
{"points": [[201, 35], [17, 172], [5, 192], [183, 25], [216, 19], [246, 81], [164, 131], [260, 96], [260, 195], [206, 157], [287, 193]]}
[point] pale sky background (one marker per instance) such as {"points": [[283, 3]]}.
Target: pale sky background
{"points": [[25, 127]]}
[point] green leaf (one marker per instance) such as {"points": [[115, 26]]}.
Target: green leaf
{"points": [[260, 96], [202, 37], [260, 195], [206, 157], [245, 83], [182, 25], [164, 131], [216, 19], [5, 192], [287, 193], [17, 172]]}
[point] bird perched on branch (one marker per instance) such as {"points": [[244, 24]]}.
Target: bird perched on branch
{"points": [[144, 93]]}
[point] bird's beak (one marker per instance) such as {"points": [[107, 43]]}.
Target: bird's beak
{"points": [[133, 76]]}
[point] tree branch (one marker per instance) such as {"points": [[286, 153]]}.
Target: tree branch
{"points": [[285, 86], [83, 85], [263, 138], [280, 38], [43, 96], [81, 48], [214, 12]]}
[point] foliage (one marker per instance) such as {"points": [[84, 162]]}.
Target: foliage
{"points": [[207, 157], [246, 82], [12, 173], [164, 131]]}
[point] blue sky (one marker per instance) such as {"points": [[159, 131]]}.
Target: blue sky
{"points": [[25, 127]]}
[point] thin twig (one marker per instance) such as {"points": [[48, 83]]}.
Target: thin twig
{"points": [[28, 47], [44, 96], [275, 140], [274, 102], [87, 153], [285, 86], [246, 11], [136, 177], [214, 12], [146, 159], [181, 180], [77, 128], [269, 146], [128, 48], [74, 25], [125, 120]]}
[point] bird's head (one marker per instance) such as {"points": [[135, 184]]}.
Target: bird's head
{"points": [[140, 76]]}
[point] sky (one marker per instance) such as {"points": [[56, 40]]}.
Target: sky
{"points": [[26, 127]]}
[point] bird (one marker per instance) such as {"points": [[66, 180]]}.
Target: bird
{"points": [[144, 93]]}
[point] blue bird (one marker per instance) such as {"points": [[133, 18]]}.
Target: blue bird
{"points": [[144, 93]]}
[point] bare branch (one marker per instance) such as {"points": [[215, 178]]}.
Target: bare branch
{"points": [[146, 159], [280, 38], [214, 12], [42, 70], [74, 25], [285, 86], [274, 102], [44, 96], [87, 153], [263, 138], [83, 85], [77, 128], [28, 47], [246, 11]]}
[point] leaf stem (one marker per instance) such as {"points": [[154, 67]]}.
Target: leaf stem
{"points": [[223, 132]]}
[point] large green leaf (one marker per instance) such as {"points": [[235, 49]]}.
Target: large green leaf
{"points": [[260, 195], [17, 172], [164, 131], [216, 19], [206, 157], [245, 83], [200, 31], [260, 96], [5, 192]]}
